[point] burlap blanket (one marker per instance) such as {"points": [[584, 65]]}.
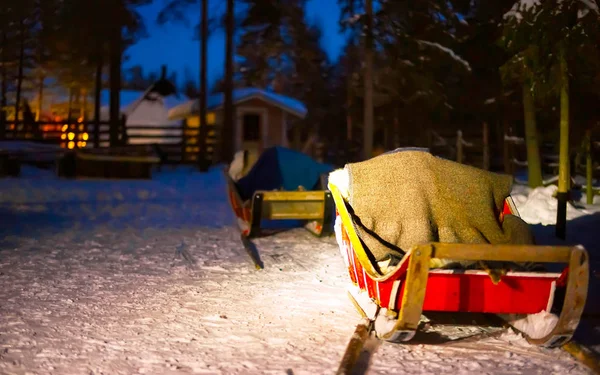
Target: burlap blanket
{"points": [[405, 198]]}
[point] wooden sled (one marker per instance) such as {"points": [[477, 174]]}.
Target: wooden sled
{"points": [[314, 207], [395, 299]]}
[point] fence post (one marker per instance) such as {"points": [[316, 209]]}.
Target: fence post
{"points": [[486, 146], [2, 124], [96, 132], [430, 140], [459, 147], [183, 141], [124, 137], [588, 167]]}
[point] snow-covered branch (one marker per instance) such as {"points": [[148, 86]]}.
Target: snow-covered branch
{"points": [[448, 51], [519, 7]]}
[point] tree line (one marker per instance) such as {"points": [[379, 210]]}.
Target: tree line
{"points": [[527, 68]]}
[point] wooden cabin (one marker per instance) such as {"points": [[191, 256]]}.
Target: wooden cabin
{"points": [[262, 119]]}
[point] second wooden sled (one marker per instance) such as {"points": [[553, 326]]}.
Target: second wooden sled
{"points": [[396, 298], [313, 207]]}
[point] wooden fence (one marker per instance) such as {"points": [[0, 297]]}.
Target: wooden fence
{"points": [[472, 148], [174, 144], [476, 149]]}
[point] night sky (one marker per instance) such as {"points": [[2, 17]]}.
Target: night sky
{"points": [[173, 43]]}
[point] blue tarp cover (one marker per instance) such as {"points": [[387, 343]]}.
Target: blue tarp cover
{"points": [[280, 167]]}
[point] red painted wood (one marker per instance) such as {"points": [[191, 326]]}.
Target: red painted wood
{"points": [[477, 293], [371, 287], [359, 272], [460, 292]]}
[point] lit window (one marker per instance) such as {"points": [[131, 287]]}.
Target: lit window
{"points": [[211, 118]]}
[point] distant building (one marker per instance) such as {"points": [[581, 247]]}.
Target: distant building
{"points": [[143, 108], [148, 108], [262, 119]]}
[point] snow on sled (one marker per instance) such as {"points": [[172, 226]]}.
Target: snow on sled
{"points": [[466, 249], [283, 184]]}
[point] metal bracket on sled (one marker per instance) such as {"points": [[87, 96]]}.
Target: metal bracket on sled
{"points": [[256, 214], [328, 212]]}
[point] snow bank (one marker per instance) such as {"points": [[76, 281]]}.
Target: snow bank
{"points": [[536, 325], [539, 206]]}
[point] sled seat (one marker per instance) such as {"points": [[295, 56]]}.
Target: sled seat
{"points": [[406, 290], [313, 207]]}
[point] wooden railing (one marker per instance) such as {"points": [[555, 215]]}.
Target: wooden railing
{"points": [[471, 148], [174, 144]]}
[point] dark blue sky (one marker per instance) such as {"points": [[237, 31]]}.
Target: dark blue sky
{"points": [[173, 44]]}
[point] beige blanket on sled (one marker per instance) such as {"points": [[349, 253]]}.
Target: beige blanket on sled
{"points": [[406, 198]]}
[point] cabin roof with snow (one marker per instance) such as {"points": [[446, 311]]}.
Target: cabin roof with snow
{"points": [[129, 97], [215, 102]]}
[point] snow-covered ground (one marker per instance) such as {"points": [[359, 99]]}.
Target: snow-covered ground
{"points": [[127, 277]]}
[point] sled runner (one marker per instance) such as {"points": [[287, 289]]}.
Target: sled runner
{"points": [[394, 297], [283, 184]]}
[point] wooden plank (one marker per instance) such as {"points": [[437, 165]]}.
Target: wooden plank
{"points": [[414, 288], [355, 347], [301, 210], [119, 158], [294, 195], [514, 253]]}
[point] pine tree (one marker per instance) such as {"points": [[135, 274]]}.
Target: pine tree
{"points": [[550, 37], [280, 51]]}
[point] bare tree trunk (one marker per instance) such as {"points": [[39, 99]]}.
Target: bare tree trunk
{"points": [[3, 87], [397, 128], [70, 105], [83, 109], [203, 130], [589, 189], [349, 103], [506, 148], [40, 103], [20, 74], [368, 103], [116, 56], [97, 93], [459, 147], [531, 140], [563, 164], [486, 146], [348, 119], [228, 133]]}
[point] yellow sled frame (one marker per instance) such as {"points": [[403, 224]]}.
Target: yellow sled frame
{"points": [[313, 206]]}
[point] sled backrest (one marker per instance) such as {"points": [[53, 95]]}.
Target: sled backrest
{"points": [[297, 205]]}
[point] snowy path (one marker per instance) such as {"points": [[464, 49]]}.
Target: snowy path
{"points": [[93, 279]]}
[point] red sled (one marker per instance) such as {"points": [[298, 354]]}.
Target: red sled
{"points": [[395, 299]]}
